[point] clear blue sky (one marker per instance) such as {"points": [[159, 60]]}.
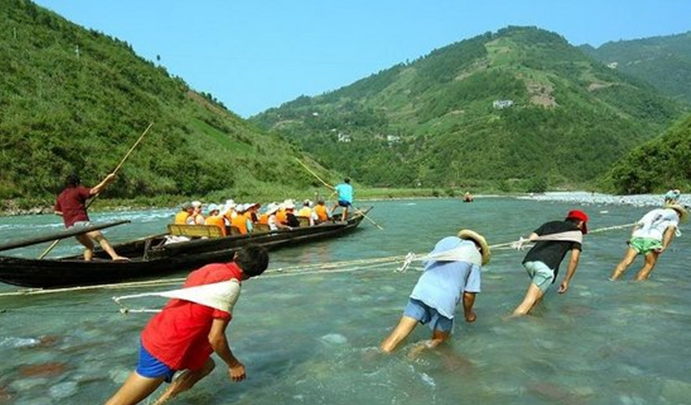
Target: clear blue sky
{"points": [[253, 55]]}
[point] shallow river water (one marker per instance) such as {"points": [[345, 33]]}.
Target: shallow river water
{"points": [[313, 339]]}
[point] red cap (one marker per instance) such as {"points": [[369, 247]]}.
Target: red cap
{"points": [[580, 215]]}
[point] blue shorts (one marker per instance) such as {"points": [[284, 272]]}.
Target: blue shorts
{"points": [[151, 367], [345, 204], [425, 314]]}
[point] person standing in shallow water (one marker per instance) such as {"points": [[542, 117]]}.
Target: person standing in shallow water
{"points": [[71, 206], [553, 240], [453, 277], [185, 334], [651, 236]]}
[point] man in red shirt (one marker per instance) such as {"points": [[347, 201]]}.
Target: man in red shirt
{"points": [[71, 206], [185, 334]]}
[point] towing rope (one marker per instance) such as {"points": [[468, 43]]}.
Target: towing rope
{"points": [[344, 266]]}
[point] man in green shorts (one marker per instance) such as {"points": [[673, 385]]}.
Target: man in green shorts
{"points": [[651, 236], [553, 240]]}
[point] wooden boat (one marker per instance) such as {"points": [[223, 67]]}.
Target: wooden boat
{"points": [[151, 257]]}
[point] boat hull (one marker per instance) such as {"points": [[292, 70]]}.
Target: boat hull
{"points": [[150, 258]]}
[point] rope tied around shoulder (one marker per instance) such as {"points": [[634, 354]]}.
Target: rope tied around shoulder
{"points": [[345, 266], [221, 296]]}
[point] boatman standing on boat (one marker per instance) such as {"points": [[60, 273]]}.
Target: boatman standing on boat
{"points": [[186, 332], [345, 196], [452, 274], [651, 236], [553, 240], [71, 205]]}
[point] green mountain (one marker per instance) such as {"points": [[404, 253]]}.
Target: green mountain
{"points": [[657, 165], [520, 108], [664, 62], [73, 99]]}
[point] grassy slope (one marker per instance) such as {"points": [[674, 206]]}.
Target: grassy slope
{"points": [[657, 165], [76, 100], [664, 62]]}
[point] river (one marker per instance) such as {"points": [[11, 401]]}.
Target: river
{"points": [[313, 338]]}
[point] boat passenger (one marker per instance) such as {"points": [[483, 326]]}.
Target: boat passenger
{"points": [[253, 211], [281, 213], [196, 218], [186, 209], [240, 221], [214, 218], [446, 281], [291, 220], [322, 212], [651, 236], [307, 212], [71, 205], [271, 220], [228, 211], [553, 240], [184, 334]]}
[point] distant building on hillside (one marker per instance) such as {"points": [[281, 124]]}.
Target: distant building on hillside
{"points": [[391, 139], [501, 104], [343, 137]]}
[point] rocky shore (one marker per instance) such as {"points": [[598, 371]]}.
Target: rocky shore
{"points": [[587, 198]]}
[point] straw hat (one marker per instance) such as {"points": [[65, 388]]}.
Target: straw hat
{"points": [[681, 210], [468, 234]]}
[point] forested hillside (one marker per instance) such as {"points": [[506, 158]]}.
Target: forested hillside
{"points": [[521, 108], [72, 99], [656, 166], [664, 62]]}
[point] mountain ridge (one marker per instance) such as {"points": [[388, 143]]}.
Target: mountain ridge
{"points": [[434, 121]]}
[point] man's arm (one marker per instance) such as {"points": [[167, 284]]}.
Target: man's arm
{"points": [[573, 264], [468, 301], [667, 238], [219, 342], [100, 186]]}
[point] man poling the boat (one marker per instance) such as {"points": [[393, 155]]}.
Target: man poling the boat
{"points": [[71, 206], [329, 186], [190, 328]]}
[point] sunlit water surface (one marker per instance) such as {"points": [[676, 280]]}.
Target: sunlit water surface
{"points": [[312, 339]]}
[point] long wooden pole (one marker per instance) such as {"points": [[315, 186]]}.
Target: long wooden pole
{"points": [[55, 243], [334, 189]]}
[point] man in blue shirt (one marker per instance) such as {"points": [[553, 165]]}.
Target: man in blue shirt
{"points": [[452, 273], [345, 197]]}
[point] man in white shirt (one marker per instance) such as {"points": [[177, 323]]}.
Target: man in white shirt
{"points": [[651, 236]]}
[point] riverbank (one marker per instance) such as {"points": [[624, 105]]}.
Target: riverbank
{"points": [[32, 207]]}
